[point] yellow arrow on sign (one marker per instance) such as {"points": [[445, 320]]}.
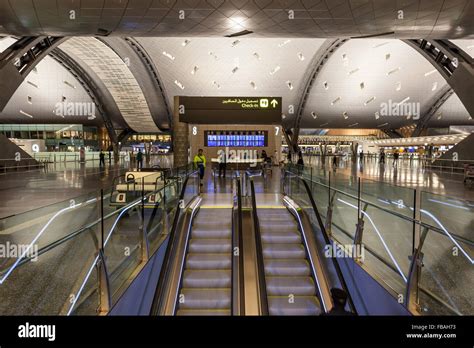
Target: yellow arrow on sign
{"points": [[274, 103]]}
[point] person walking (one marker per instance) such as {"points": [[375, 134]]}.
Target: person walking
{"points": [[396, 155], [110, 157], [300, 159], [102, 159], [200, 163], [139, 160], [222, 163]]}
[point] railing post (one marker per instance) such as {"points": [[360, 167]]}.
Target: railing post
{"points": [[412, 296], [142, 229], [104, 285]]}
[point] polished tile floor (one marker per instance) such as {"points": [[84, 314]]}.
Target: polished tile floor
{"points": [[406, 173]]}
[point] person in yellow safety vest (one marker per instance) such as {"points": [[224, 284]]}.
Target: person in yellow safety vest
{"points": [[200, 163]]}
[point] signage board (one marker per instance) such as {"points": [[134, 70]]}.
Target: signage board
{"points": [[230, 110]]}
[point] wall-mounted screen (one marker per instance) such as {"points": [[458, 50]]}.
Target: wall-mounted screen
{"points": [[236, 138]]}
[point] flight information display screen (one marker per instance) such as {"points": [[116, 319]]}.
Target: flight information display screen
{"points": [[236, 139]]}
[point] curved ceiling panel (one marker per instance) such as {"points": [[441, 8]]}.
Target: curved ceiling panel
{"points": [[309, 18], [117, 78], [365, 78], [49, 94], [233, 67], [452, 112]]}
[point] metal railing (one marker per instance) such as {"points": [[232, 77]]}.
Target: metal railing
{"points": [[330, 192]]}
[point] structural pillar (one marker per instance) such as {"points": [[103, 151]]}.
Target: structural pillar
{"points": [[180, 138]]}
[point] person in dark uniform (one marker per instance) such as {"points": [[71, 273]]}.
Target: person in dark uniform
{"points": [[102, 159], [139, 160]]}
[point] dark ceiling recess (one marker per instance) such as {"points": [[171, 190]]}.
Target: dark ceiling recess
{"points": [[373, 35], [240, 33], [103, 32]]}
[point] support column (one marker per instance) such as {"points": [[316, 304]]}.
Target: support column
{"points": [[180, 138]]}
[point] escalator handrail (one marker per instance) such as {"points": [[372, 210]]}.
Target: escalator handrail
{"points": [[259, 247], [327, 240], [240, 248], [167, 259]]}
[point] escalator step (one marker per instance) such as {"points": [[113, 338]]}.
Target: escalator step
{"points": [[217, 232], [207, 279], [210, 245], [203, 312], [208, 261], [289, 237], [266, 223], [284, 286], [211, 223], [283, 267], [283, 251], [302, 305], [205, 298]]}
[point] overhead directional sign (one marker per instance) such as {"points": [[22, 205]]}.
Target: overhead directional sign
{"points": [[230, 110]]}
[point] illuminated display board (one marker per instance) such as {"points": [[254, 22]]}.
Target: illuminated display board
{"points": [[235, 138], [230, 110]]}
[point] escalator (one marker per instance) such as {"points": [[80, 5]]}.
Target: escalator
{"points": [[199, 274], [207, 277], [291, 289]]}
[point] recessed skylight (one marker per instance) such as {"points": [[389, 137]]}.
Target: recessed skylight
{"points": [[289, 85], [325, 84], [313, 114], [256, 55], [253, 84], [300, 56], [346, 116], [335, 100], [435, 86], [235, 43], [185, 42], [195, 69]]}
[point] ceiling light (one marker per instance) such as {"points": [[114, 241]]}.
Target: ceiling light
{"points": [[404, 101], [216, 84], [195, 69], [26, 114], [335, 100], [213, 55], [254, 86], [430, 72], [399, 86], [185, 43], [377, 115], [369, 101], [435, 85], [284, 43], [179, 84], [235, 43], [169, 55], [314, 115], [393, 71], [235, 69], [290, 85], [362, 85], [69, 84], [300, 56], [344, 56], [256, 55], [353, 71], [346, 116], [275, 69], [325, 84], [353, 125], [324, 124]]}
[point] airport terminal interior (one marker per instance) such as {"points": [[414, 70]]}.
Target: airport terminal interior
{"points": [[237, 157]]}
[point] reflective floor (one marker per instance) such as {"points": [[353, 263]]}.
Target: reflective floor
{"points": [[406, 173]]}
